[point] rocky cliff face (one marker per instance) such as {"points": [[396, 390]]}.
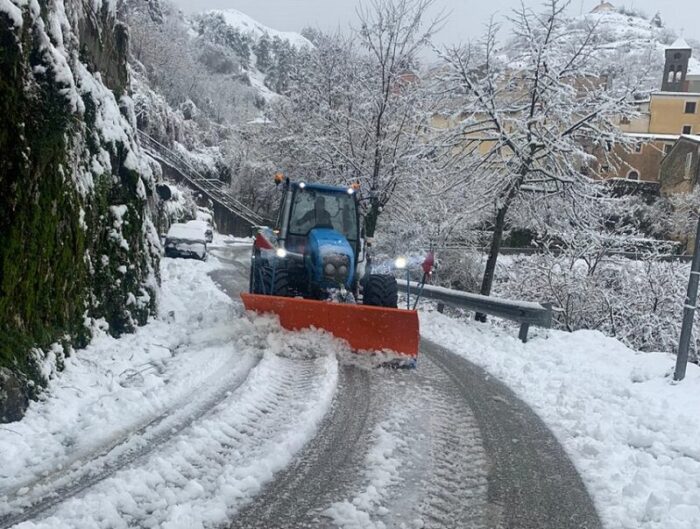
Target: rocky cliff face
{"points": [[77, 245]]}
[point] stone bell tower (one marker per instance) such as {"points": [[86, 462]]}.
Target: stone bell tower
{"points": [[676, 68]]}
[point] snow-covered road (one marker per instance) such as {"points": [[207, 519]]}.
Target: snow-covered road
{"points": [[234, 422]]}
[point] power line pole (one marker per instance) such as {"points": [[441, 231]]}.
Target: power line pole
{"points": [[691, 300]]}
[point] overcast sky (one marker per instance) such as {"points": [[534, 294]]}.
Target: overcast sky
{"points": [[466, 20]]}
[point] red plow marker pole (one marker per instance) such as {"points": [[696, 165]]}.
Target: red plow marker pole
{"points": [[364, 327]]}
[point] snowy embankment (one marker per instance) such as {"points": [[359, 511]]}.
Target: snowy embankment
{"points": [[179, 424], [631, 431]]}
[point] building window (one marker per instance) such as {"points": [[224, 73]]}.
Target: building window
{"points": [[638, 147], [690, 107], [671, 74], [687, 129], [688, 164], [667, 148], [679, 74], [633, 175], [604, 169], [624, 120]]}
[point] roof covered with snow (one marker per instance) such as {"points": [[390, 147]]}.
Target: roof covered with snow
{"points": [[692, 137], [248, 25], [680, 44], [651, 136]]}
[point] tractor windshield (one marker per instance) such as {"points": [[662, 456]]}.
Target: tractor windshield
{"points": [[315, 209]]}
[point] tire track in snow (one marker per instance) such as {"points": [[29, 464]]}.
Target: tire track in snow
{"points": [[217, 464], [532, 484], [425, 464], [325, 467], [456, 490], [79, 474]]}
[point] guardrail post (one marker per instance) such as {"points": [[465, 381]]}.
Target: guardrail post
{"points": [[522, 335], [691, 300]]}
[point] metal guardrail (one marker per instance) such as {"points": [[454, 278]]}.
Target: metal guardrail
{"points": [[523, 312], [211, 187]]}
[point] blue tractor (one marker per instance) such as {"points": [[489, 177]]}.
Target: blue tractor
{"points": [[321, 252]]}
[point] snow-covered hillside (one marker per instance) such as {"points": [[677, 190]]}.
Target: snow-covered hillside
{"points": [[629, 45], [256, 30]]}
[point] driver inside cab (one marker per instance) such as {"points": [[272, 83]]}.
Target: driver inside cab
{"points": [[319, 216]]}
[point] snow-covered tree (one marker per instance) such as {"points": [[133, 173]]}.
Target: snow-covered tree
{"points": [[280, 69], [356, 110], [212, 27], [529, 121], [262, 48]]}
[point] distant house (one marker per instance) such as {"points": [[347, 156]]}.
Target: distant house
{"points": [[667, 115], [680, 168]]}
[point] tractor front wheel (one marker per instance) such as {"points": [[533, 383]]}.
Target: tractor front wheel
{"points": [[266, 279], [381, 291]]}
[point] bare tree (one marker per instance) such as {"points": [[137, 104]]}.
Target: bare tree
{"points": [[529, 120]]}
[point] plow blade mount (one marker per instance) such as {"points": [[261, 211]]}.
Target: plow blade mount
{"points": [[364, 327]]}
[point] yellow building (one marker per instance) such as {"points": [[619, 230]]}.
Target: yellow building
{"points": [[674, 113], [663, 118]]}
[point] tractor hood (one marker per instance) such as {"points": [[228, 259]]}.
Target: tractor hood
{"points": [[329, 259]]}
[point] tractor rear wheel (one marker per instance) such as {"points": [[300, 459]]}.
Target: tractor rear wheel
{"points": [[266, 280], [381, 291]]}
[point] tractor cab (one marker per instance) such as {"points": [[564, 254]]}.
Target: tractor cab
{"points": [[320, 225], [306, 207]]}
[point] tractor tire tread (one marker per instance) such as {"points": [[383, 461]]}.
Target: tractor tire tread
{"points": [[381, 290]]}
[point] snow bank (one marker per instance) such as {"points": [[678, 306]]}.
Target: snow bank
{"points": [[199, 344], [631, 431], [115, 384]]}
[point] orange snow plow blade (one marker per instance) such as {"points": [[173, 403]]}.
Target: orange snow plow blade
{"points": [[364, 327]]}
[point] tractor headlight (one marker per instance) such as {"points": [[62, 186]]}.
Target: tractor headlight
{"points": [[336, 267]]}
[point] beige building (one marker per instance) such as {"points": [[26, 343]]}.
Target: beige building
{"points": [[662, 119], [675, 113]]}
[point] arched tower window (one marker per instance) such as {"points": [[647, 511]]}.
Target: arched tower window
{"points": [[633, 175], [679, 74], [671, 74]]}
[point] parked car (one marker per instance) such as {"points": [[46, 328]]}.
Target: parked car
{"points": [[185, 240], [201, 224]]}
